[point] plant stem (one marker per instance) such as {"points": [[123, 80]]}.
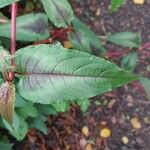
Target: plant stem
{"points": [[13, 27], [13, 36]]}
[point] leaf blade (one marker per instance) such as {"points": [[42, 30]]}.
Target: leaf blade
{"points": [[7, 101], [30, 27], [4, 3], [59, 12], [59, 74]]}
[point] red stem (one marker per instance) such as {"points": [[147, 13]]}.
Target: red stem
{"points": [[13, 36], [146, 45]]}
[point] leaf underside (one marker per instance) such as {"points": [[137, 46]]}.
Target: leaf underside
{"points": [[50, 73], [7, 101]]}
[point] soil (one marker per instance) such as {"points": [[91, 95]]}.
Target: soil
{"points": [[115, 109]]}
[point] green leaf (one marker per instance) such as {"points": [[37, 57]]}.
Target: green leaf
{"points": [[79, 41], [30, 27], [27, 111], [51, 73], [146, 84], [84, 104], [129, 61], [39, 123], [90, 37], [125, 39], [22, 131], [59, 12], [4, 3], [5, 146], [46, 109], [18, 128], [61, 106], [115, 4], [20, 102], [7, 101]]}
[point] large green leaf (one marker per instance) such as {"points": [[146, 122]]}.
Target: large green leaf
{"points": [[86, 34], [125, 39], [4, 3], [30, 27], [50, 73], [59, 12]]}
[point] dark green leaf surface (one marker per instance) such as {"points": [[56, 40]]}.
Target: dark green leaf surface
{"points": [[125, 39], [4, 3], [59, 12], [50, 73], [30, 27]]}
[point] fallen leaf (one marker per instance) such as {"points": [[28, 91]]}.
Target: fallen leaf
{"points": [[135, 123], [85, 131], [89, 147], [105, 133], [125, 140], [141, 2], [67, 44], [98, 12]]}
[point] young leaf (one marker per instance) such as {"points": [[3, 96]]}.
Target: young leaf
{"points": [[84, 104], [129, 61], [50, 73], [4, 3], [125, 39], [115, 4], [90, 37], [7, 101], [61, 106], [146, 84], [59, 12], [30, 27]]}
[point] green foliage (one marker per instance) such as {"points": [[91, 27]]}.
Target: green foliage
{"points": [[125, 39], [87, 38], [53, 75], [30, 27], [146, 84], [59, 12], [61, 106], [115, 4], [84, 104], [5, 146], [50, 73], [129, 61], [79, 40], [4, 3], [39, 123]]}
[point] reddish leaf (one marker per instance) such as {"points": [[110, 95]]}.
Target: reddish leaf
{"points": [[7, 101]]}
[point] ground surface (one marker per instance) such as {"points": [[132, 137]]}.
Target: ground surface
{"points": [[118, 107]]}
